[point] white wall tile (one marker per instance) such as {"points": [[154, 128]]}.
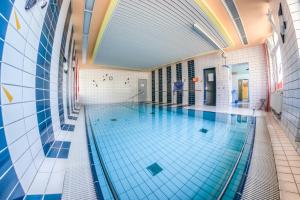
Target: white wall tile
{"points": [[14, 131], [11, 75], [18, 148], [254, 56], [28, 177], [12, 113], [110, 91]]}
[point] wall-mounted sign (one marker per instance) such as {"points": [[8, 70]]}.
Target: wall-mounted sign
{"points": [[210, 77]]}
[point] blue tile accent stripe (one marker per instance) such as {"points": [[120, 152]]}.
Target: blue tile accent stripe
{"points": [[169, 84], [42, 83], [154, 169], [191, 75], [160, 87], [65, 127], [153, 86], [93, 160], [44, 197], [59, 149], [10, 186], [179, 78]]}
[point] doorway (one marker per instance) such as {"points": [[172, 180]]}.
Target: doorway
{"points": [[210, 86], [142, 90], [240, 85], [244, 90]]}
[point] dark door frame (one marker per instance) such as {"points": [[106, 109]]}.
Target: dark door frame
{"points": [[215, 86]]}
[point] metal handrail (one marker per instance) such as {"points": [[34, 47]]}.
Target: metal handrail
{"points": [[136, 95], [105, 172], [233, 170]]}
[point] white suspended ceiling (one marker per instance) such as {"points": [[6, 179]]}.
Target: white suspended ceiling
{"points": [[149, 33]]}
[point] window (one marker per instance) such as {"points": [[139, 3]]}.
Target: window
{"points": [[276, 72]]}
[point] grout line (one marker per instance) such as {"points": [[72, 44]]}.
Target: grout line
{"points": [[277, 134]]}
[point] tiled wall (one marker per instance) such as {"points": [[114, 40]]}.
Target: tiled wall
{"points": [[191, 75], [9, 180], [254, 56], [160, 86], [61, 72], [291, 70], [179, 78], [169, 84], [111, 85], [42, 80], [26, 56], [70, 75], [153, 85]]}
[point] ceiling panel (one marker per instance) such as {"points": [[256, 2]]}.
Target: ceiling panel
{"points": [[148, 33]]}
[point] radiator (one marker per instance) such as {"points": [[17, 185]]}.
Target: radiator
{"points": [[276, 102]]}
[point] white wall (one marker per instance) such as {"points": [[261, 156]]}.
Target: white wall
{"points": [[254, 56], [290, 62], [110, 91]]}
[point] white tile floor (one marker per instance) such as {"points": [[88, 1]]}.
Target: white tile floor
{"points": [[50, 176], [78, 183], [287, 160]]}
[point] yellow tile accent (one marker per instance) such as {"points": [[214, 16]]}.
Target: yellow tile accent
{"points": [[108, 14], [18, 25], [8, 95], [215, 20]]}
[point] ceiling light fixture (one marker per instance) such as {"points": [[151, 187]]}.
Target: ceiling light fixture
{"points": [[209, 39], [88, 12], [201, 32]]}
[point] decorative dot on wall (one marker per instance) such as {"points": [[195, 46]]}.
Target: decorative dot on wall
{"points": [[43, 4]]}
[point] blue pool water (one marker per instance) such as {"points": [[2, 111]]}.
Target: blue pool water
{"points": [[155, 152]]}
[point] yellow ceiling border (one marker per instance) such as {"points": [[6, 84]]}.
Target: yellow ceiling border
{"points": [[108, 14], [215, 20]]}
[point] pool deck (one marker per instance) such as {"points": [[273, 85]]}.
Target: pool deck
{"points": [[287, 160], [78, 182], [262, 181]]}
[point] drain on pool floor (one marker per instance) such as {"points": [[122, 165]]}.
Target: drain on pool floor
{"points": [[203, 130], [154, 169], [113, 119]]}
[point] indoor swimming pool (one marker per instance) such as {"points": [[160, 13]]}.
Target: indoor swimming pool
{"points": [[145, 151]]}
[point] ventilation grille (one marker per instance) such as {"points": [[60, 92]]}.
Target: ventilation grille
{"points": [[140, 33], [231, 8]]}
